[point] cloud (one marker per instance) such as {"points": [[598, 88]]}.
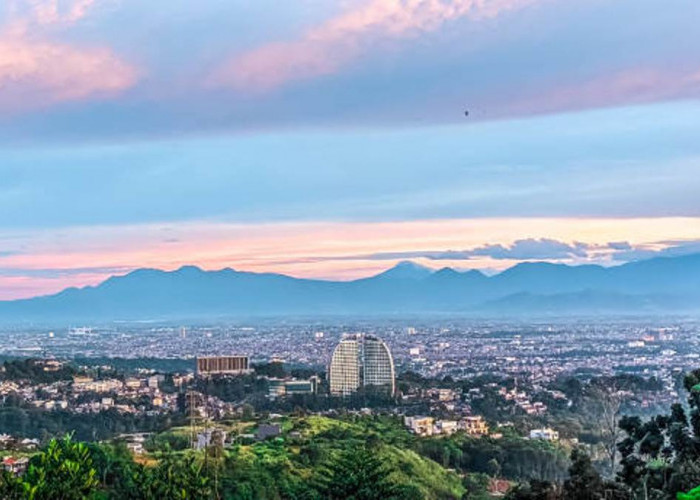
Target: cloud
{"points": [[628, 86], [550, 249], [671, 248], [51, 12], [532, 248], [325, 49], [35, 72], [49, 273], [619, 245], [524, 249]]}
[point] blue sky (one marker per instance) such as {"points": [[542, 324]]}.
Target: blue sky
{"points": [[121, 120]]}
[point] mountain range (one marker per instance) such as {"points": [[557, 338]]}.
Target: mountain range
{"points": [[656, 286]]}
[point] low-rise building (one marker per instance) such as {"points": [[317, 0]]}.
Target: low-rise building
{"points": [[14, 465], [447, 427], [422, 426], [545, 434], [474, 425]]}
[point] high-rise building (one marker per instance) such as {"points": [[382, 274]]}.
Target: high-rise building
{"points": [[361, 361], [344, 371], [222, 365]]}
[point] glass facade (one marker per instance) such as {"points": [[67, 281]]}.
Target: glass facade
{"points": [[361, 361], [344, 371]]}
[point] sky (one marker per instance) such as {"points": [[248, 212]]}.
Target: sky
{"points": [[329, 139]]}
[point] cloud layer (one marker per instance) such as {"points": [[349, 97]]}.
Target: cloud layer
{"points": [[41, 261], [329, 47], [160, 68], [545, 249], [36, 71]]}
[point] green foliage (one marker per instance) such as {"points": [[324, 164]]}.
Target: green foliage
{"points": [[299, 468], [33, 371], [63, 471], [274, 369], [176, 476], [11, 488], [511, 457], [38, 423], [477, 486], [693, 494], [165, 441], [359, 474], [584, 481], [535, 490], [661, 456]]}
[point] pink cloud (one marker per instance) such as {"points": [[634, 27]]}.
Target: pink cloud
{"points": [[52, 12], [35, 72], [39, 73], [325, 49]]}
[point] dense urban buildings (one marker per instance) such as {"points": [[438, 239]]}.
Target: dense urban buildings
{"points": [[534, 351], [361, 361]]}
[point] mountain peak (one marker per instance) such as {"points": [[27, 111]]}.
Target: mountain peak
{"points": [[188, 270], [407, 269]]}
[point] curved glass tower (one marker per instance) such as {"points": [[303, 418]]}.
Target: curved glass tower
{"points": [[361, 361], [344, 371]]}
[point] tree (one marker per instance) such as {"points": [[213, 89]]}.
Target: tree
{"points": [[607, 396], [477, 486], [660, 456], [11, 487], [584, 482], [176, 477], [493, 468], [536, 490], [358, 474], [63, 471]]}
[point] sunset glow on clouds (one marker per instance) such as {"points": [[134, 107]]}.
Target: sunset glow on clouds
{"points": [[327, 48], [49, 261], [328, 139], [36, 71]]}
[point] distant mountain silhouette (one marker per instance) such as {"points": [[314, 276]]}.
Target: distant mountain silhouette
{"points": [[405, 270], [660, 285]]}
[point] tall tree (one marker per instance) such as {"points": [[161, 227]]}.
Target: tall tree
{"points": [[584, 482], [358, 474], [606, 397]]}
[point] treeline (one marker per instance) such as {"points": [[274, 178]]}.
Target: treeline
{"points": [[42, 424], [659, 459], [33, 371], [508, 457]]}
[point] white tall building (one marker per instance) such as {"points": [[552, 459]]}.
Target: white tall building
{"points": [[361, 361], [344, 371]]}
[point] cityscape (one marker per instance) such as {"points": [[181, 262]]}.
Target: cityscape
{"points": [[349, 250], [460, 348]]}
